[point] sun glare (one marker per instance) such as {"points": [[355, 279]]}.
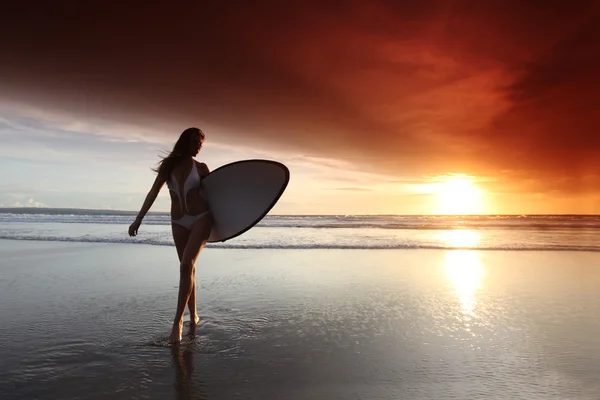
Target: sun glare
{"points": [[459, 196], [455, 195], [460, 238]]}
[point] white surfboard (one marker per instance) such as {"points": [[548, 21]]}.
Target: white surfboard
{"points": [[240, 194]]}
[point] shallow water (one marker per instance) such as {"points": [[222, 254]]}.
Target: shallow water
{"points": [[91, 321]]}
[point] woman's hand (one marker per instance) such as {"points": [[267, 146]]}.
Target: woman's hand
{"points": [[133, 228]]}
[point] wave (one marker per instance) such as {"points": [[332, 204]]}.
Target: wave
{"points": [[338, 222], [294, 246]]}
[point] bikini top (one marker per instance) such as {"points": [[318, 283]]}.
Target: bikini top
{"points": [[192, 181]]}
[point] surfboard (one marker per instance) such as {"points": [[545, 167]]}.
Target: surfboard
{"points": [[242, 193]]}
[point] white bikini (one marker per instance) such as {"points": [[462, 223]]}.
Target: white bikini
{"points": [[192, 182]]}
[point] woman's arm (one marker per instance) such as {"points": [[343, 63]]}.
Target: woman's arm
{"points": [[150, 197]]}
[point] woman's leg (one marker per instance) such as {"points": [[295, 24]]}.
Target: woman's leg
{"points": [[191, 304], [180, 236], [196, 241]]}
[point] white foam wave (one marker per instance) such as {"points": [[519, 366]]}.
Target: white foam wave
{"points": [[295, 246]]}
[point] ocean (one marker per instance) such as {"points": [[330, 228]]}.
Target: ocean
{"points": [[302, 307], [521, 232]]}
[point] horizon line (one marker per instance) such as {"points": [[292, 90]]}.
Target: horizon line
{"points": [[133, 212]]}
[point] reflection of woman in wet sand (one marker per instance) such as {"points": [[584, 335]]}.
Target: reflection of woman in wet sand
{"points": [[184, 366], [190, 217], [183, 360]]}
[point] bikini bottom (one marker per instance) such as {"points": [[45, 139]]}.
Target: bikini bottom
{"points": [[187, 221]]}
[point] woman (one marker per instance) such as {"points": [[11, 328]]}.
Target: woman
{"points": [[190, 217]]}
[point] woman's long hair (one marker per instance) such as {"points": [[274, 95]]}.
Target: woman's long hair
{"points": [[179, 152]]}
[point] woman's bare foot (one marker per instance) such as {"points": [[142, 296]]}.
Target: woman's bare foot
{"points": [[176, 333]]}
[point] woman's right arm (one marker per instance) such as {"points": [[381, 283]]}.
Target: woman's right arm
{"points": [[150, 198]]}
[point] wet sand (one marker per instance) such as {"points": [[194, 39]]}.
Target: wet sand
{"points": [[91, 321]]}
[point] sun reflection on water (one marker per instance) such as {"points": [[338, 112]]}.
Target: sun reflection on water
{"points": [[461, 238], [465, 272]]}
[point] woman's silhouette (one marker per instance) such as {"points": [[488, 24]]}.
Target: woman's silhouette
{"points": [[191, 219]]}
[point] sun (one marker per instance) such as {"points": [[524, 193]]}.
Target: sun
{"points": [[456, 195]]}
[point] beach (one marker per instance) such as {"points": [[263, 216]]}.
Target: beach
{"points": [[90, 320], [394, 200]]}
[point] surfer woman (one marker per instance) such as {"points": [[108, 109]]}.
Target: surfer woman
{"points": [[190, 217]]}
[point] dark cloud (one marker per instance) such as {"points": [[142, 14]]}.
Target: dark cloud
{"points": [[400, 86], [552, 124]]}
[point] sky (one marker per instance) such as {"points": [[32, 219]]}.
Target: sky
{"points": [[377, 107]]}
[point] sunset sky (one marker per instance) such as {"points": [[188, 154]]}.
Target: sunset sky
{"points": [[377, 107]]}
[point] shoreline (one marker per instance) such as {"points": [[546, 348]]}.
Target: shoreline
{"points": [[220, 246]]}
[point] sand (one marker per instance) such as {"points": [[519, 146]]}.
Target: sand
{"points": [[91, 320]]}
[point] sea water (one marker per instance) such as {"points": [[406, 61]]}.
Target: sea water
{"points": [[501, 232]]}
